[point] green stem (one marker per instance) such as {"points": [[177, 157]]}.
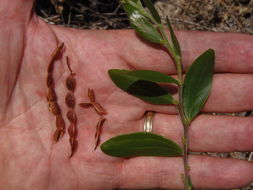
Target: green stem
{"points": [[178, 62]]}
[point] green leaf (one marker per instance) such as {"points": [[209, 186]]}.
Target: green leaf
{"points": [[148, 75], [197, 84], [141, 24], [146, 90], [152, 10], [140, 144], [175, 43]]}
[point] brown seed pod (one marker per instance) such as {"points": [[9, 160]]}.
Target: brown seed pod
{"points": [[98, 131], [99, 109], [74, 145], [60, 124], [51, 96], [50, 80], [71, 116], [70, 100], [71, 83], [85, 105], [58, 134], [54, 108], [72, 130], [91, 95], [54, 56]]}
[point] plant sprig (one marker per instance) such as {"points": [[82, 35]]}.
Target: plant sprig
{"points": [[193, 90]]}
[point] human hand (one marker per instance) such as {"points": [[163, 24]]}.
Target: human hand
{"points": [[31, 160]]}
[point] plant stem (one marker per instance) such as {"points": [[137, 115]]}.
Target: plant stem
{"points": [[185, 139]]}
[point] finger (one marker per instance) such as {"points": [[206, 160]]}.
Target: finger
{"points": [[209, 133], [233, 51], [231, 93], [206, 173]]}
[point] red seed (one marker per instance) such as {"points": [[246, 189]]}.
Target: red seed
{"points": [[70, 100], [73, 145], [71, 116], [71, 83]]}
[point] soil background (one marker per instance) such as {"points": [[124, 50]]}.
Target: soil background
{"points": [[204, 15]]}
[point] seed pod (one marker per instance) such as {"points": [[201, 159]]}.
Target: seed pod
{"points": [[74, 145], [98, 131], [70, 100], [91, 95], [54, 56], [60, 124], [50, 81], [54, 108], [71, 116], [51, 96], [99, 109], [71, 83], [85, 105], [57, 51], [72, 130], [58, 134]]}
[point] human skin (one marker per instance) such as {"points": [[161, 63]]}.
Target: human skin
{"points": [[29, 159]]}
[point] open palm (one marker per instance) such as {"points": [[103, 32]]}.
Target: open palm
{"points": [[29, 159]]}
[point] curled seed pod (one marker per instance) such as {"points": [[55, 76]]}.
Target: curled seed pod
{"points": [[71, 83], [70, 100], [99, 109], [91, 95], [51, 96], [50, 80], [98, 131], [71, 116], [54, 108], [60, 124]]}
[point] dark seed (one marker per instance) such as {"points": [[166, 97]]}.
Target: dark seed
{"points": [[71, 116], [70, 100], [74, 145], [72, 130], [71, 83]]}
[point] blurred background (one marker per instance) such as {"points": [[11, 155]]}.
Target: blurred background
{"points": [[204, 15], [211, 15]]}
